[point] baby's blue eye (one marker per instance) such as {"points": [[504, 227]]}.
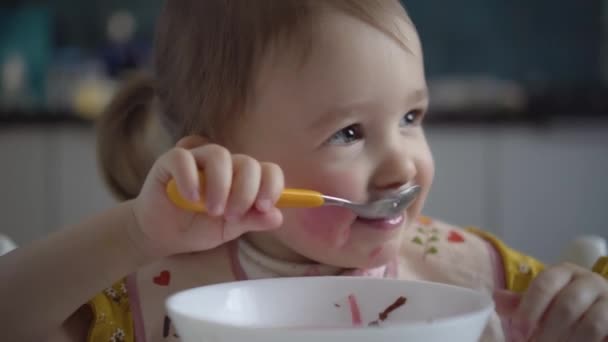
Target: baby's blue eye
{"points": [[347, 135], [410, 118]]}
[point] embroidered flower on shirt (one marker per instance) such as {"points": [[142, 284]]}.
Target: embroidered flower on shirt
{"points": [[455, 237], [101, 317], [427, 237], [524, 268], [425, 221], [123, 288], [116, 293], [118, 336], [111, 292]]}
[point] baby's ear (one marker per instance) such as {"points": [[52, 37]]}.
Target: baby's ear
{"points": [[192, 141]]}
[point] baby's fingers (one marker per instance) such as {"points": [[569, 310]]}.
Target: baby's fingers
{"points": [[271, 186], [245, 187], [216, 163], [594, 325], [254, 220], [180, 165], [506, 302], [206, 232], [537, 299], [567, 308]]}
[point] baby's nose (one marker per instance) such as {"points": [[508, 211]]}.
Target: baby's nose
{"points": [[394, 175]]}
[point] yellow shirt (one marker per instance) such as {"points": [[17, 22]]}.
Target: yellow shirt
{"points": [[113, 321]]}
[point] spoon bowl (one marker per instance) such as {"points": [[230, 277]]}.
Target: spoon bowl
{"points": [[382, 208]]}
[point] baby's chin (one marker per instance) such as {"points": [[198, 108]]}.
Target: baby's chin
{"points": [[376, 256], [329, 236], [367, 257]]}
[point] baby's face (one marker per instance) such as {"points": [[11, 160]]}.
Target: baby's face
{"points": [[346, 123]]}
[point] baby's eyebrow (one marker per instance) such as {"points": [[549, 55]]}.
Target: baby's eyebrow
{"points": [[415, 97], [332, 115]]}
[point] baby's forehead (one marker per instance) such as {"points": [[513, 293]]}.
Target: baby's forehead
{"points": [[340, 41], [335, 28], [345, 63], [296, 41], [350, 64], [336, 37]]}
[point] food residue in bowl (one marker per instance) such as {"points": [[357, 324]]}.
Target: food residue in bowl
{"points": [[354, 311], [382, 316]]}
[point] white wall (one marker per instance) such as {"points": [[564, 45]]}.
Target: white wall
{"points": [[48, 179], [24, 182], [535, 187], [553, 186]]}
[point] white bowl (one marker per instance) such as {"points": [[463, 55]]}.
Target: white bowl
{"points": [[318, 309]]}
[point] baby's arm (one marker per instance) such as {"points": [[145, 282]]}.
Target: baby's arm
{"points": [[46, 282]]}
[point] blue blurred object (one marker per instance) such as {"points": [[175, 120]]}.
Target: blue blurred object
{"points": [[120, 58], [26, 34]]}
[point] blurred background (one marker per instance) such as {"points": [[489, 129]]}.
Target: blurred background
{"points": [[518, 123]]}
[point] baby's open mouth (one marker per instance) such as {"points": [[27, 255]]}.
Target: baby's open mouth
{"points": [[383, 223]]}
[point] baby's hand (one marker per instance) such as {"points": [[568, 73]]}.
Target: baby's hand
{"points": [[240, 194], [564, 303]]}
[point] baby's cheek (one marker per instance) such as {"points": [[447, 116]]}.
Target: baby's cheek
{"points": [[324, 218], [330, 225]]}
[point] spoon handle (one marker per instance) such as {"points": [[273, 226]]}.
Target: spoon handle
{"points": [[300, 198], [290, 198]]}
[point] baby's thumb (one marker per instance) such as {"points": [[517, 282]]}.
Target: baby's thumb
{"points": [[256, 220], [506, 302]]}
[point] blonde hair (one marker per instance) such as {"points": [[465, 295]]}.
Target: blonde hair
{"points": [[205, 58]]}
